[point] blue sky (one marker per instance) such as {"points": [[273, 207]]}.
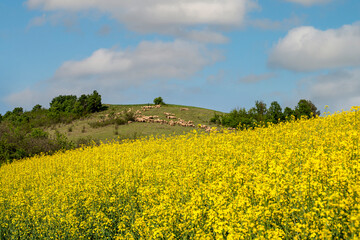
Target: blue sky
{"points": [[217, 54]]}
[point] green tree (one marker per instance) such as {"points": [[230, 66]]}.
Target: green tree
{"points": [[71, 104], [36, 108], [158, 101], [288, 112], [261, 110], [16, 116], [313, 109], [306, 108], [274, 113], [93, 102], [18, 111], [237, 118], [7, 115], [63, 103]]}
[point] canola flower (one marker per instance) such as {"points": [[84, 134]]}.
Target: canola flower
{"points": [[295, 180]]}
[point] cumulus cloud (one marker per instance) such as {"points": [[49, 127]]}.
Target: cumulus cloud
{"points": [[158, 15], [308, 2], [339, 89], [112, 70], [253, 78], [149, 60], [309, 49]]}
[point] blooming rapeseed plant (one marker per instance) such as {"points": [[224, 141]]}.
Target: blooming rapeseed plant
{"points": [[295, 180]]}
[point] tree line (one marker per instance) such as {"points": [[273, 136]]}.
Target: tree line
{"points": [[22, 132], [261, 115]]}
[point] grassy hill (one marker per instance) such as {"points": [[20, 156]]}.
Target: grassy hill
{"points": [[81, 129]]}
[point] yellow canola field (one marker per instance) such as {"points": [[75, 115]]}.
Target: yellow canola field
{"points": [[297, 180]]}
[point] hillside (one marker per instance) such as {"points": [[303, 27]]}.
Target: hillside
{"points": [[81, 129], [73, 121], [293, 180]]}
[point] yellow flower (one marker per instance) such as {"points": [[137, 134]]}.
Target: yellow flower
{"points": [[295, 180]]}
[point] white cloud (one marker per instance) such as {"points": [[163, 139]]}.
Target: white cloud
{"points": [[113, 71], [309, 49], [149, 60], [158, 15], [339, 89], [253, 78], [309, 2]]}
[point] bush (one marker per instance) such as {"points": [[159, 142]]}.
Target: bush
{"points": [[21, 133], [19, 142], [39, 133], [120, 121], [216, 119], [129, 116]]}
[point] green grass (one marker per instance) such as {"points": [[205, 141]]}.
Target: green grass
{"points": [[81, 129]]}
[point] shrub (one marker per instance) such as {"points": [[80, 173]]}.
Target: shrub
{"points": [[120, 121], [20, 142], [39, 133], [129, 116], [216, 119]]}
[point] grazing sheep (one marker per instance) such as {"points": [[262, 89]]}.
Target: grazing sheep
{"points": [[147, 108]]}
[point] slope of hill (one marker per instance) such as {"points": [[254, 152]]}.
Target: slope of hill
{"points": [[294, 180], [81, 129]]}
